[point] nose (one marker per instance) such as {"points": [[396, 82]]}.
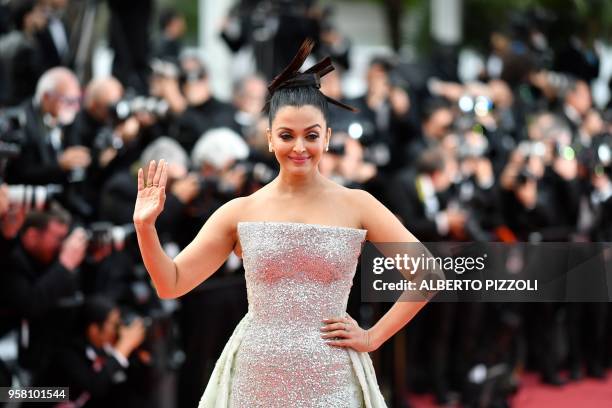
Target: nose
{"points": [[298, 147]]}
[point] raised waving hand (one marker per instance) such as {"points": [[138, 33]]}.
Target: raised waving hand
{"points": [[151, 193]]}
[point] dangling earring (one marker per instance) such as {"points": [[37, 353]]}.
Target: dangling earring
{"points": [[270, 148], [327, 148]]}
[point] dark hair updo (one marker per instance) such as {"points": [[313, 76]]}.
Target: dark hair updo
{"points": [[294, 88], [297, 97]]}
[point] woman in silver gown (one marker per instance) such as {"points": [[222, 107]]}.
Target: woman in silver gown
{"points": [[300, 237]]}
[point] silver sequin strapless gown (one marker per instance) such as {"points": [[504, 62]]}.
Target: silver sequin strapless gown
{"points": [[296, 275]]}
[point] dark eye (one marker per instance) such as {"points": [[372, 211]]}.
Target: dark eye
{"points": [[313, 136], [285, 136]]}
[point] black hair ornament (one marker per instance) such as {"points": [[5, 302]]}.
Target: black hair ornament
{"points": [[290, 77]]}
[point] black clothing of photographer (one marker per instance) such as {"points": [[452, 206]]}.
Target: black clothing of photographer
{"points": [[21, 54], [437, 120], [117, 192], [100, 365], [198, 119], [203, 111], [49, 153], [421, 196], [129, 37], [38, 163], [385, 116], [41, 283]]}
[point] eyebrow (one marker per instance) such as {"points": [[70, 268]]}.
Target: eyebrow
{"points": [[308, 128]]}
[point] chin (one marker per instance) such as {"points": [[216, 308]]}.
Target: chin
{"points": [[299, 170]]}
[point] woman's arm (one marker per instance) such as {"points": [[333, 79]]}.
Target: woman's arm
{"points": [[196, 262], [383, 226]]}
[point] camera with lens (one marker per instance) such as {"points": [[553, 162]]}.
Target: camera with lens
{"points": [[337, 149], [258, 173], [473, 148], [30, 196], [106, 138], [12, 134], [524, 176], [532, 148], [157, 324], [475, 105], [164, 68], [101, 235], [598, 159], [130, 106], [12, 124], [192, 75]]}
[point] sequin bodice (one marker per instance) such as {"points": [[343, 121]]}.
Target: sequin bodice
{"points": [[297, 275], [298, 272]]}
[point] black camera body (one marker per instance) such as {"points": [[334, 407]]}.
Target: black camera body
{"points": [[12, 135]]}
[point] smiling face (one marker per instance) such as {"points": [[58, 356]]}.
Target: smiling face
{"points": [[298, 136]]}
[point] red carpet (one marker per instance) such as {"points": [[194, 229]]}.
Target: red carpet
{"points": [[587, 393]]}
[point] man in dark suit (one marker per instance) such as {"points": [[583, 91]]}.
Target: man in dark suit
{"points": [[577, 102], [129, 36], [20, 52], [54, 39], [48, 156], [420, 197], [41, 282], [202, 111], [172, 26], [11, 220]]}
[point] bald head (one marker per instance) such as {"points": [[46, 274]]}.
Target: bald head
{"points": [[101, 93]]}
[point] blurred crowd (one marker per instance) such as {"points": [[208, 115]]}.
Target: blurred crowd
{"points": [[519, 155]]}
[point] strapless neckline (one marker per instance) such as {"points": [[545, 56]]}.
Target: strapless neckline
{"points": [[303, 225]]}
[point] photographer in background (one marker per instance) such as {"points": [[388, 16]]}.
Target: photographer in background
{"points": [[129, 37], [384, 115], [48, 155], [41, 282], [182, 190], [203, 111], [98, 363], [11, 220], [344, 162], [436, 122], [249, 97], [21, 54], [218, 157], [421, 197], [111, 134], [172, 26], [55, 38], [576, 103], [101, 96]]}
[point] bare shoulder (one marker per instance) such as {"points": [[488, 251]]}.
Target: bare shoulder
{"points": [[381, 223], [361, 197], [362, 200], [228, 215]]}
